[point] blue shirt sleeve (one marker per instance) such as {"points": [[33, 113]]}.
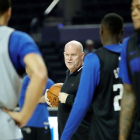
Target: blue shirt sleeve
{"points": [[21, 44], [123, 71], [50, 82], [89, 81], [23, 91]]}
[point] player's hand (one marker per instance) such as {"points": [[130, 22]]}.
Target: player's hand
{"points": [[62, 97], [46, 99], [17, 117], [42, 99]]}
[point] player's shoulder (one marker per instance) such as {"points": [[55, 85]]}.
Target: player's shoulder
{"points": [[91, 59], [91, 55], [21, 36]]}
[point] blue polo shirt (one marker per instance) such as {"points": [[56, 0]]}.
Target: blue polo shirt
{"points": [[90, 78], [40, 116]]}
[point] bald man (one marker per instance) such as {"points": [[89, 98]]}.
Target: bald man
{"points": [[73, 54]]}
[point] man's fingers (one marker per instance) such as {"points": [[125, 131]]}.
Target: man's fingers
{"points": [[49, 104], [7, 111], [46, 99], [47, 90]]}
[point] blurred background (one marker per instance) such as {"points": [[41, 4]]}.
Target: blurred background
{"points": [[52, 23], [64, 21]]}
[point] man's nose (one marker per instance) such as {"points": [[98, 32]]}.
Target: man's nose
{"points": [[70, 57]]}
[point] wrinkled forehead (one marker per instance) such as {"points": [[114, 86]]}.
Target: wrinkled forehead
{"points": [[72, 48]]}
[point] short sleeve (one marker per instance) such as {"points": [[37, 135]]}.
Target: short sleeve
{"points": [[21, 44]]}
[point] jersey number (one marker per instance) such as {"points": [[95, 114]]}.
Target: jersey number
{"points": [[116, 104]]}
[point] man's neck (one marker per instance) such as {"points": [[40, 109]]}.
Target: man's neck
{"points": [[3, 21], [111, 41], [72, 71]]}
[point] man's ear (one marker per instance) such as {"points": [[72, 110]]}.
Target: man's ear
{"points": [[9, 13], [101, 30], [122, 32], [83, 54]]}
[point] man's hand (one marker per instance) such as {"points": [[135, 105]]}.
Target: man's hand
{"points": [[19, 119], [62, 97], [46, 99]]}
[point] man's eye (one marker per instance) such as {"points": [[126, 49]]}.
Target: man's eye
{"points": [[139, 8]]}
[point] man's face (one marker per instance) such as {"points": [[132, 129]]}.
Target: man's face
{"points": [[135, 7], [73, 57]]}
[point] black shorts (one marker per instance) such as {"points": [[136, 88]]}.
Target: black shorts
{"points": [[34, 133]]}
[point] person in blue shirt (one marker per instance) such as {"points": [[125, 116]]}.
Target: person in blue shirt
{"points": [[17, 52], [100, 88], [130, 74], [37, 128]]}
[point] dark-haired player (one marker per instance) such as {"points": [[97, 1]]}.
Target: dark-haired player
{"points": [[100, 86], [130, 73], [17, 52]]}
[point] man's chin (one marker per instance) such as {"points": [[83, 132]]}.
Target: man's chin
{"points": [[137, 30]]}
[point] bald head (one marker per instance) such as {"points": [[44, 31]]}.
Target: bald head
{"points": [[73, 54], [74, 44]]}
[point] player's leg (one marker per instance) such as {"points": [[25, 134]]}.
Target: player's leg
{"points": [[43, 134], [28, 133]]}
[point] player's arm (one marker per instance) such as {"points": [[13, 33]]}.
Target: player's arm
{"points": [[128, 109], [29, 57], [84, 95], [128, 102], [35, 65]]}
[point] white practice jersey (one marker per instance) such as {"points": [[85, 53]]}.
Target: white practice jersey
{"points": [[10, 85]]}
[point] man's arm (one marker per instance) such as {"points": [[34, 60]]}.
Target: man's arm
{"points": [[66, 98], [84, 95], [70, 99], [128, 110], [35, 65]]}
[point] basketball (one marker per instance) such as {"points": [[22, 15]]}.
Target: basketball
{"points": [[53, 93]]}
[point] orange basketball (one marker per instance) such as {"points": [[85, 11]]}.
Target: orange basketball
{"points": [[53, 93]]}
